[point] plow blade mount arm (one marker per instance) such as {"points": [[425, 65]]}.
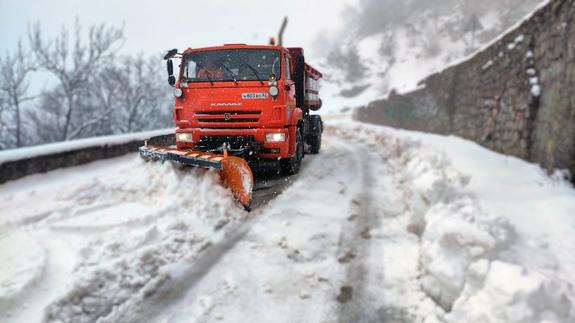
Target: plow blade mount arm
{"points": [[235, 173]]}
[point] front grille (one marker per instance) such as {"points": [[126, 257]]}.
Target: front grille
{"points": [[234, 116], [211, 113], [230, 120]]}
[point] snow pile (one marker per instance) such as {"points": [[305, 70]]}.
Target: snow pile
{"points": [[121, 282], [431, 180], [22, 264], [453, 228], [503, 292], [466, 253], [456, 235], [119, 270]]}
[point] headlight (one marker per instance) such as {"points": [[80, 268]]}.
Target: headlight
{"points": [[275, 137], [178, 92], [184, 137], [274, 91]]}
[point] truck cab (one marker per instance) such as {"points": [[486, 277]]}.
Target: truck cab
{"points": [[251, 101]]}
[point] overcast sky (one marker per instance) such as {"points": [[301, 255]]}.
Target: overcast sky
{"points": [[153, 26]]}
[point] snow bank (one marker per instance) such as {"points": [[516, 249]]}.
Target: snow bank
{"points": [[465, 251], [22, 264], [431, 180], [456, 235], [61, 147], [122, 281], [117, 272], [503, 292]]}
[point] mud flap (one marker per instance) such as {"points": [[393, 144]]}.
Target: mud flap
{"points": [[235, 173]]}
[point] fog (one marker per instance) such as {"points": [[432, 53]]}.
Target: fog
{"points": [[153, 26]]}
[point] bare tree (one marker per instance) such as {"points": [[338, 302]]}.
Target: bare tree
{"points": [[472, 27], [47, 116], [151, 88], [128, 94], [105, 91], [74, 65], [136, 89], [142, 93], [5, 132], [14, 71]]}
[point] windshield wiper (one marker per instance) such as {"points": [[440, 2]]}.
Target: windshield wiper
{"points": [[202, 66], [231, 72], [255, 72]]}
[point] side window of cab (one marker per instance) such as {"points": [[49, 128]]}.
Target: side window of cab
{"points": [[287, 68]]}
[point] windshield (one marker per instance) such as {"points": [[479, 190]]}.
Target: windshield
{"points": [[231, 65]]}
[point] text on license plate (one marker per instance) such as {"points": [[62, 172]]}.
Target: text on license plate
{"points": [[260, 95]]}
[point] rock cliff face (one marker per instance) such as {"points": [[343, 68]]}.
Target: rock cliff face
{"points": [[517, 96]]}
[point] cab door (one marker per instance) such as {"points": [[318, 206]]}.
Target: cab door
{"points": [[289, 86]]}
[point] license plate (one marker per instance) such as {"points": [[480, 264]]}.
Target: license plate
{"points": [[250, 96]]}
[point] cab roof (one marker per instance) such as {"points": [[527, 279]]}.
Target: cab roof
{"points": [[235, 46]]}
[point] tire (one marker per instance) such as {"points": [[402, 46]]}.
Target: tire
{"points": [[314, 137], [291, 166], [315, 144]]}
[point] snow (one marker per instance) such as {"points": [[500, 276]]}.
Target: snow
{"points": [[21, 267], [456, 235], [487, 65], [483, 47], [412, 59], [536, 90], [527, 296], [505, 213], [132, 227], [534, 82], [383, 224], [403, 76], [71, 145]]}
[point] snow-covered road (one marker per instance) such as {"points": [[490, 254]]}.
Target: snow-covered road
{"points": [[382, 226]]}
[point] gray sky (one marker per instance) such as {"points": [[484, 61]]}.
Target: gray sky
{"points": [[153, 26]]}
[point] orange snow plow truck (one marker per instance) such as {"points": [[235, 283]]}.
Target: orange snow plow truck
{"points": [[241, 107]]}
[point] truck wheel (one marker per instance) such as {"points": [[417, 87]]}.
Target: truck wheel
{"points": [[292, 165], [313, 139], [315, 143]]}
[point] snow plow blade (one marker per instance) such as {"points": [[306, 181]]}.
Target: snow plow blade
{"points": [[235, 173]]}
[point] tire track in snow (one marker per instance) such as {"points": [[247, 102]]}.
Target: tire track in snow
{"points": [[269, 187], [355, 247], [360, 298], [180, 283]]}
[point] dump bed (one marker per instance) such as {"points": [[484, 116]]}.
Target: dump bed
{"points": [[312, 76]]}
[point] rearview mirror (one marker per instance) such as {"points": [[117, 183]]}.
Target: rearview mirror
{"points": [[170, 66], [171, 53], [171, 78]]}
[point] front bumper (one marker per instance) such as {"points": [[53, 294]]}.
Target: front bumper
{"points": [[254, 139]]}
